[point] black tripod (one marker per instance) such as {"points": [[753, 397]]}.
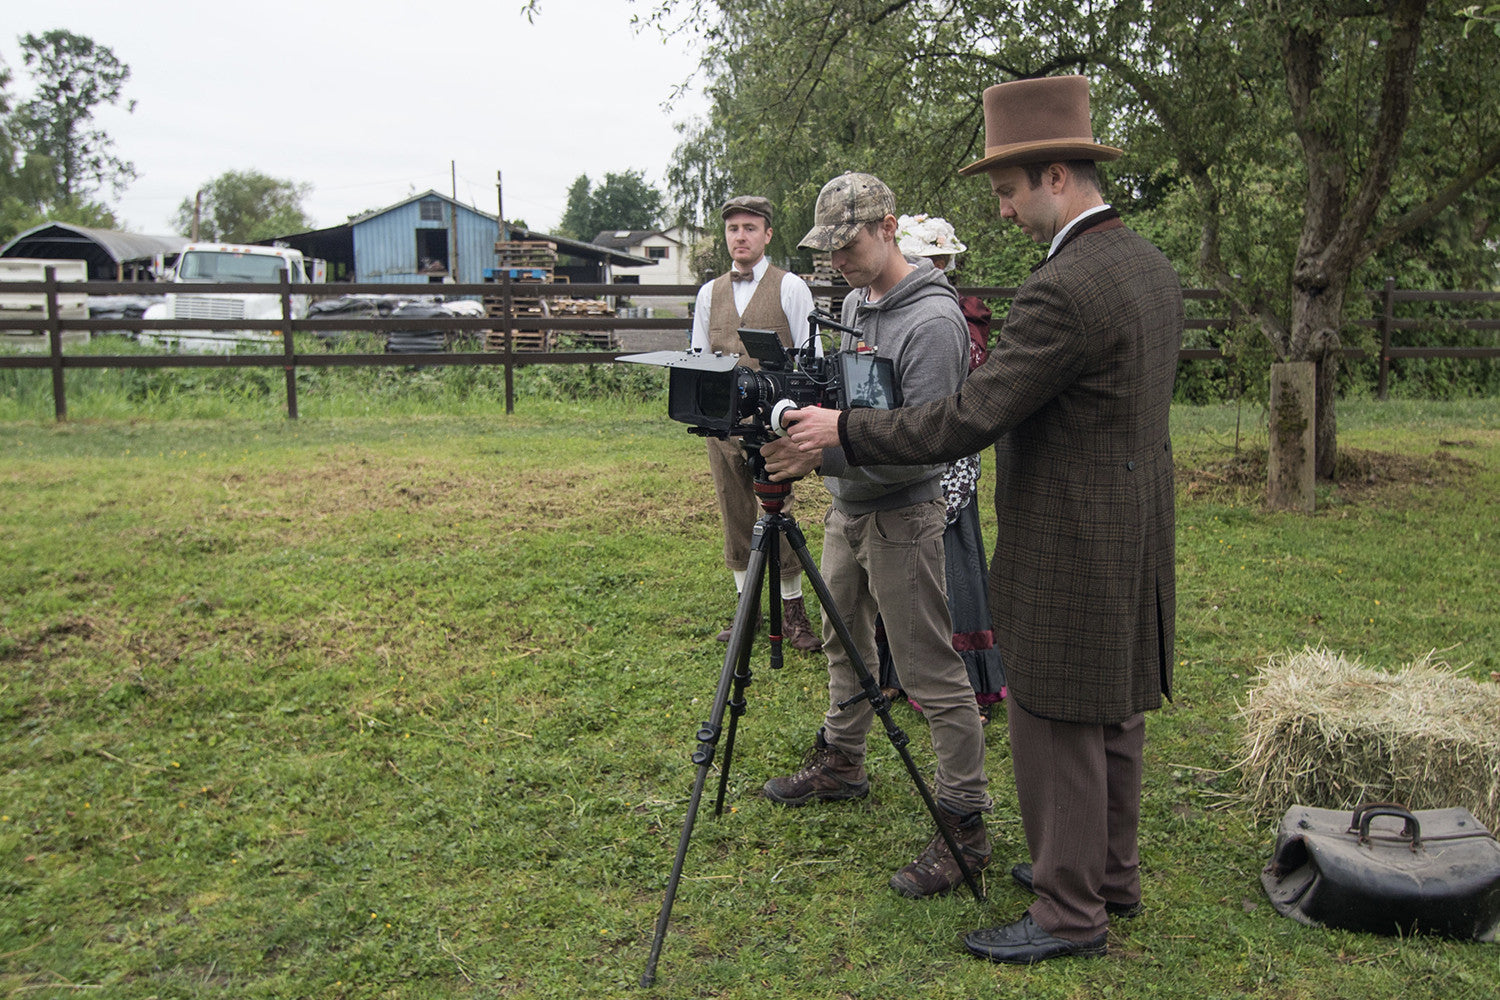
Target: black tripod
{"points": [[765, 565]]}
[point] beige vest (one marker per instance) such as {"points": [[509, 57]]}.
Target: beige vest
{"points": [[762, 312]]}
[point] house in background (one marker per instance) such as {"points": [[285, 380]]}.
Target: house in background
{"points": [[672, 249]]}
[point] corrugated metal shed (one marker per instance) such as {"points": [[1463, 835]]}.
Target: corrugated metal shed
{"points": [[389, 244], [415, 241], [109, 253]]}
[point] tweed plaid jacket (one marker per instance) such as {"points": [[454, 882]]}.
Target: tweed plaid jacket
{"points": [[1075, 397]]}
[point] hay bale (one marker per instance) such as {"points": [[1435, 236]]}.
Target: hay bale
{"points": [[1322, 730]]}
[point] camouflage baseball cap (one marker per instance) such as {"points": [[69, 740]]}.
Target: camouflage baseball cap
{"points": [[846, 203], [754, 204]]}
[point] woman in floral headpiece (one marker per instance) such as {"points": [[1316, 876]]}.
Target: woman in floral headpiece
{"points": [[968, 603]]}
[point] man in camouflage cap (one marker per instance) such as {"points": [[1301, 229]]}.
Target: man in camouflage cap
{"points": [[883, 540]]}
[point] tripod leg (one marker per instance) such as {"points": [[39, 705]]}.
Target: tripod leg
{"points": [[741, 640], [879, 702], [735, 674], [771, 539]]}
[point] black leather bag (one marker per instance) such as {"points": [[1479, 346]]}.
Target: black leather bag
{"points": [[1387, 870]]}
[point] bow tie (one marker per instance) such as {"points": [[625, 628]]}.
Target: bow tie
{"points": [[737, 275]]}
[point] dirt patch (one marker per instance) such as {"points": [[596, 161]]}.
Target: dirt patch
{"points": [[1359, 476]]}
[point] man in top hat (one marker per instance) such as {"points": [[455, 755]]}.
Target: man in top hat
{"points": [[757, 295], [1075, 393], [883, 542]]}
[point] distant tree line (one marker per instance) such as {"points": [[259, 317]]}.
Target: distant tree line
{"points": [[54, 160], [58, 165]]}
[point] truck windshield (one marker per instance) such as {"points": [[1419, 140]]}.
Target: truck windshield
{"points": [[221, 265]]}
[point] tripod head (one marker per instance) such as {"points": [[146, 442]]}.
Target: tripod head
{"points": [[771, 495]]}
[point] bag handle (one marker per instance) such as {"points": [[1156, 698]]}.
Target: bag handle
{"points": [[1360, 822]]}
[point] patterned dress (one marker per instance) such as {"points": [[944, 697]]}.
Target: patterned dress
{"points": [[963, 548]]}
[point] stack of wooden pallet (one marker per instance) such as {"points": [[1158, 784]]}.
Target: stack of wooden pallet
{"points": [[599, 340], [824, 274], [524, 262]]}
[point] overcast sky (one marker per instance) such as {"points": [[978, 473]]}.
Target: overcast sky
{"points": [[371, 102]]}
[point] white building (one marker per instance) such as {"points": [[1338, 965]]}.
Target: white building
{"points": [[672, 249]]}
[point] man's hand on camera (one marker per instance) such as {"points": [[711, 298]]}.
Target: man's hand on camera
{"points": [[784, 460], [812, 428]]}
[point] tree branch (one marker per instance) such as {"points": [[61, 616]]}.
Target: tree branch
{"points": [[1419, 216], [1399, 79]]}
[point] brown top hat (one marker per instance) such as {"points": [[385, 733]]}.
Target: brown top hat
{"points": [[1038, 121]]}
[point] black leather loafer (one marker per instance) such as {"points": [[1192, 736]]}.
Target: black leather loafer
{"points": [[1024, 943], [1021, 873]]}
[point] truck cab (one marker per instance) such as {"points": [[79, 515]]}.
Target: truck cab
{"points": [[207, 264]]}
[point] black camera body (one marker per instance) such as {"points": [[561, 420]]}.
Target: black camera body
{"points": [[718, 397]]}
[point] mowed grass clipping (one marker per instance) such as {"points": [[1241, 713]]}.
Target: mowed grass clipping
{"points": [[403, 708]]}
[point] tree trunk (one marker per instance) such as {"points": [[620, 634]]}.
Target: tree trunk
{"points": [[1326, 427], [1317, 314], [1293, 407]]}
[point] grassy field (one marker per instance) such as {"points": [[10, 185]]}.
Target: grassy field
{"points": [[401, 707]]}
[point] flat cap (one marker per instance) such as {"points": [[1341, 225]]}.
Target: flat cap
{"points": [[754, 204]]}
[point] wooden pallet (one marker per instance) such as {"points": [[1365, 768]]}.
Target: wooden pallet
{"points": [[494, 305], [581, 307], [593, 340], [521, 340], [825, 274], [526, 253]]}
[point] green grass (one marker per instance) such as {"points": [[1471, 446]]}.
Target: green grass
{"points": [[401, 707]]}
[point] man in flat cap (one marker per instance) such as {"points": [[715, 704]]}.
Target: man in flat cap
{"points": [[757, 295], [1082, 588], [883, 542]]}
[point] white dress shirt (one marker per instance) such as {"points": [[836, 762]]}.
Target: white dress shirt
{"points": [[796, 303]]}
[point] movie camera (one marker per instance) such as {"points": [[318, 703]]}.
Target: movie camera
{"points": [[719, 397]]}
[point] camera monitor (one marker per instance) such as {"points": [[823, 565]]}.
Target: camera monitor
{"points": [[764, 346], [868, 380]]}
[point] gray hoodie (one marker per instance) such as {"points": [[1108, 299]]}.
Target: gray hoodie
{"points": [[919, 326]]}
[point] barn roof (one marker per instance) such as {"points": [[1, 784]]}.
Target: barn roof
{"points": [[104, 249]]}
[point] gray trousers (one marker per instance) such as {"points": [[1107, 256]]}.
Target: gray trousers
{"points": [[891, 563], [1079, 789]]}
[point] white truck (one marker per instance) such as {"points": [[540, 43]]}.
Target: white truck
{"points": [[214, 263]]}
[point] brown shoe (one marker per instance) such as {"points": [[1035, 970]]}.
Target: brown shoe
{"points": [[935, 872], [826, 775], [760, 623], [796, 629]]}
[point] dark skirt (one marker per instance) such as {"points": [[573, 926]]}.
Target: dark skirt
{"points": [[969, 607]]}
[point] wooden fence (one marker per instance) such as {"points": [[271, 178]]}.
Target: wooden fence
{"points": [[52, 322]]}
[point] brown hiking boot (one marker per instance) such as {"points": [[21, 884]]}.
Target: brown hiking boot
{"points": [[935, 872], [826, 775], [760, 623], [796, 629]]}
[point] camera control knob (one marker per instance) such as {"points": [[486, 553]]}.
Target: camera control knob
{"points": [[782, 406]]}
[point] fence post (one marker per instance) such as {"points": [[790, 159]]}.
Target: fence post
{"points": [[54, 342], [1387, 320], [288, 345], [507, 309]]}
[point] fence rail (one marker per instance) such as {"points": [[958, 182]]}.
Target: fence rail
{"points": [[51, 322]]}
